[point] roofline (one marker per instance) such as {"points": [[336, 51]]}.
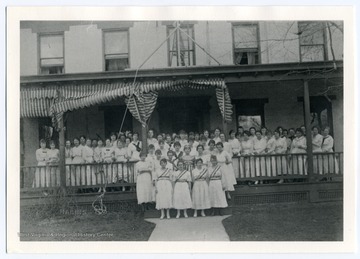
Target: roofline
{"points": [[262, 72]]}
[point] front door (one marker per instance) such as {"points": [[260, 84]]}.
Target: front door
{"points": [[187, 113]]}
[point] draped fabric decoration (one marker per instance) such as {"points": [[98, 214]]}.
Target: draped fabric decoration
{"points": [[140, 97], [224, 101], [141, 106]]}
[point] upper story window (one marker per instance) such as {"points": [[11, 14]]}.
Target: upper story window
{"points": [[246, 43], [51, 54], [116, 50], [312, 41], [181, 49]]}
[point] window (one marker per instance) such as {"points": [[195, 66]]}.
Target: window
{"points": [[312, 41], [246, 44], [181, 47], [250, 112], [51, 54], [116, 50]]}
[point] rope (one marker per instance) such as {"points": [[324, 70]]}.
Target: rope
{"points": [[101, 208]]}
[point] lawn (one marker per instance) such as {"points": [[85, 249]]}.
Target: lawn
{"points": [[113, 226], [286, 222]]}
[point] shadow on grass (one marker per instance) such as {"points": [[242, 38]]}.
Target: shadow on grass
{"points": [[286, 222]]}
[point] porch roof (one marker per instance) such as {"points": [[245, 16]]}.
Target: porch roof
{"points": [[231, 73]]}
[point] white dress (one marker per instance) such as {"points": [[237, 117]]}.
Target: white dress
{"points": [[281, 162], [331, 165], [317, 158], [53, 171], [247, 162], [182, 197], [164, 194], [88, 175], [229, 176], [216, 184], [200, 190], [77, 162], [235, 146], [298, 162], [40, 172], [107, 156], [144, 187], [259, 148], [68, 159], [270, 160], [119, 168], [205, 158]]}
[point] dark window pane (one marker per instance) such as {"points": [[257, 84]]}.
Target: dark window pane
{"points": [[52, 70], [116, 64]]}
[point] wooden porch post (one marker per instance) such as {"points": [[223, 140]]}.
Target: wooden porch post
{"points": [[310, 160], [144, 137], [62, 153]]}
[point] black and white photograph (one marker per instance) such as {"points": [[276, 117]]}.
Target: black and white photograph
{"points": [[181, 130]]}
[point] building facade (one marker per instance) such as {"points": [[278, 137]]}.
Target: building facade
{"points": [[263, 65]]}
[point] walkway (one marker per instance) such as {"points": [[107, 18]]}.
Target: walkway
{"points": [[189, 229]]}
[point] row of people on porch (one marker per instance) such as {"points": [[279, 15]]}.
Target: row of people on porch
{"points": [[248, 168], [176, 187], [127, 147]]}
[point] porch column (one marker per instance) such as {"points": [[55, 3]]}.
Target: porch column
{"points": [[144, 136], [62, 153], [310, 160]]}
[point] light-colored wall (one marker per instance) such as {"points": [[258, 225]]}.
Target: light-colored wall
{"points": [[28, 53], [84, 50]]}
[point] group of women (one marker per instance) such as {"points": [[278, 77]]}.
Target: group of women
{"points": [[257, 151]]}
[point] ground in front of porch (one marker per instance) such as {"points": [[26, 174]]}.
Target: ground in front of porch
{"points": [[266, 222]]}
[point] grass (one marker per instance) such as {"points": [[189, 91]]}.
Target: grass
{"points": [[113, 226], [286, 222]]}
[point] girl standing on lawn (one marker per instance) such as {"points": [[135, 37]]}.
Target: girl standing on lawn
{"points": [[200, 191], [182, 187], [163, 189], [217, 186], [144, 186], [225, 161]]}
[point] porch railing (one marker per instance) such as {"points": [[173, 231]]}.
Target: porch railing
{"points": [[246, 168], [287, 166], [116, 174]]}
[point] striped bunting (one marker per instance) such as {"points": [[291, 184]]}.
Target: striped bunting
{"points": [[141, 106], [41, 101]]}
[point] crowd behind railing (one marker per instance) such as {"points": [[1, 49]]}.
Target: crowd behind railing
{"points": [[252, 155]]}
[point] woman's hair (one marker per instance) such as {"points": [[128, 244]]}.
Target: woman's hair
{"points": [[177, 143], [151, 146], [43, 141], [163, 160], [247, 133], [197, 148], [316, 127], [179, 162], [52, 142], [214, 158], [198, 160], [277, 131], [252, 128], [299, 130], [211, 142], [220, 144], [158, 152], [231, 132], [76, 138]]}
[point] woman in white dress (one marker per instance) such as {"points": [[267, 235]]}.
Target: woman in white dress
{"points": [[41, 158], [135, 146], [217, 186], [68, 159], [234, 143], [331, 165], [119, 167], [77, 161], [247, 160], [317, 140], [182, 189], [162, 181], [298, 146], [202, 155], [212, 148], [270, 150], [217, 138], [53, 171], [144, 186], [225, 161], [280, 148], [88, 175], [200, 190], [259, 149], [107, 154]]}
